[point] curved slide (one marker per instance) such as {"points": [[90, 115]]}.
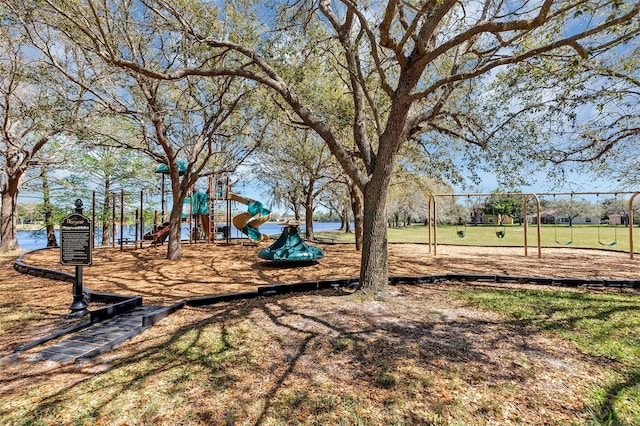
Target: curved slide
{"points": [[248, 222]]}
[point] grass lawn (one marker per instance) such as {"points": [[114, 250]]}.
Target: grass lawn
{"points": [[329, 359], [580, 236], [602, 326]]}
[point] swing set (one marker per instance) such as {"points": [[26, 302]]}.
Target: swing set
{"points": [[599, 226], [461, 228], [535, 219], [498, 226], [461, 224]]}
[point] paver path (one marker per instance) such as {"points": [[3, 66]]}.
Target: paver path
{"points": [[97, 338]]}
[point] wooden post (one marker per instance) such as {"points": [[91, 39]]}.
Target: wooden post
{"points": [[113, 223], [121, 219], [141, 219]]}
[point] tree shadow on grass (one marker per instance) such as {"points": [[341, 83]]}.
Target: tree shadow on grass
{"points": [[288, 341], [607, 411], [603, 326]]}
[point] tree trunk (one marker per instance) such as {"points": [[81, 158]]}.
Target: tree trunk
{"points": [[8, 221], [343, 220], [48, 211], [174, 247], [346, 223], [357, 205], [308, 219], [374, 268]]}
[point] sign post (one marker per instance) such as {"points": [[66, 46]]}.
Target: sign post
{"points": [[76, 249]]}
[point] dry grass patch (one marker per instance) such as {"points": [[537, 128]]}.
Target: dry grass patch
{"points": [[420, 358]]}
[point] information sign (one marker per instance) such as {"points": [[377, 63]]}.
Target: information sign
{"points": [[75, 240]]}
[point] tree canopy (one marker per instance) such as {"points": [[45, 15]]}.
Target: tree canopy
{"points": [[423, 74]]}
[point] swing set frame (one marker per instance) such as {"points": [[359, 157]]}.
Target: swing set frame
{"points": [[432, 215]]}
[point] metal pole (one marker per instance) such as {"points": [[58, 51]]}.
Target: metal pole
{"points": [[162, 199], [526, 243], [113, 218], [539, 225], [192, 226], [435, 227], [93, 220], [210, 203], [526, 225], [631, 223], [429, 219], [135, 242], [228, 211], [537, 194]]}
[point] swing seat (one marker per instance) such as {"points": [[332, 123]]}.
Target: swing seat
{"points": [[461, 234], [612, 243], [500, 234]]}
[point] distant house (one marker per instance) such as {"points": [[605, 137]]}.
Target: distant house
{"points": [[555, 217], [617, 219], [481, 218]]}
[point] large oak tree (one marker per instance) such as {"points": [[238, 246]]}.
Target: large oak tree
{"points": [[36, 106], [409, 68]]}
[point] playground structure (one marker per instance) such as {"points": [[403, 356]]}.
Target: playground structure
{"points": [[209, 217], [209, 213], [247, 222], [125, 230], [461, 230], [158, 235], [289, 247]]}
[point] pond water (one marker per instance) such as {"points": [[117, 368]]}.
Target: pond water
{"points": [[31, 240]]}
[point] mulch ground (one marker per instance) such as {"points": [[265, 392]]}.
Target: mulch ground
{"points": [[216, 269]]}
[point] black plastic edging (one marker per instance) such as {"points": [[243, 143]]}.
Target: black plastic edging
{"points": [[211, 300], [125, 304], [100, 297], [115, 309], [268, 290], [160, 314]]}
